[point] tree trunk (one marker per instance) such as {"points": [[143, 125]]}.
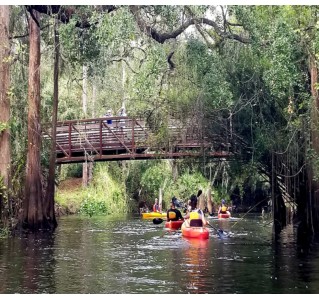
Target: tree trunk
{"points": [[85, 174], [123, 84], [85, 168], [210, 205], [312, 206], [84, 91], [49, 204], [33, 212], [160, 199], [201, 202], [5, 151], [279, 209], [93, 100], [174, 168]]}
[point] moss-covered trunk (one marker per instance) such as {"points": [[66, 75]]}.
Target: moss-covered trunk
{"points": [[5, 151]]}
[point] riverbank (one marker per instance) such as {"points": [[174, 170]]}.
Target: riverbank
{"points": [[105, 195], [69, 196]]}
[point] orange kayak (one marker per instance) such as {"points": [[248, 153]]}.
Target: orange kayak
{"points": [[174, 224], [195, 232]]}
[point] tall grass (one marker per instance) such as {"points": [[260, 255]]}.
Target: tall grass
{"points": [[187, 184], [106, 194]]}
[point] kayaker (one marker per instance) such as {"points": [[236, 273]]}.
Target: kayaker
{"points": [[156, 207], [223, 209], [173, 214], [176, 202], [195, 218]]}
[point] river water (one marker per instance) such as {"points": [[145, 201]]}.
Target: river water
{"points": [[128, 255]]}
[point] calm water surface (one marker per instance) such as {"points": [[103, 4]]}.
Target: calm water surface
{"points": [[127, 255]]}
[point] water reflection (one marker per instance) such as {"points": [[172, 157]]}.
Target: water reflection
{"points": [[195, 256], [129, 255], [27, 264]]}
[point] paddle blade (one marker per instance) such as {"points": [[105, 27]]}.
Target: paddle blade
{"points": [[157, 221], [221, 233]]}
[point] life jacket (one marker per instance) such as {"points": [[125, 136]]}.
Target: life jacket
{"points": [[155, 207], [194, 215], [195, 219], [223, 209]]}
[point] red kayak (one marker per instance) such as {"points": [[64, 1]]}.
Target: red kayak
{"points": [[174, 224], [224, 216], [195, 232]]}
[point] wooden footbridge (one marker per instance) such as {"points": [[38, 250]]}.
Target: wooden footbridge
{"points": [[124, 138]]}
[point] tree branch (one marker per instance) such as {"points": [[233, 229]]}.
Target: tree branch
{"points": [[199, 28], [33, 17], [65, 13], [162, 37], [123, 59]]}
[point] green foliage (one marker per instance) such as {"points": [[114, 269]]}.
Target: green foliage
{"points": [[4, 232], [71, 170], [78, 44], [147, 177], [154, 178], [106, 194], [146, 86], [114, 32], [134, 175], [244, 175], [210, 73], [3, 126], [91, 207], [2, 188], [188, 184]]}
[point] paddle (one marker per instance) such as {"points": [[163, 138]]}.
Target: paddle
{"points": [[220, 232], [157, 221]]}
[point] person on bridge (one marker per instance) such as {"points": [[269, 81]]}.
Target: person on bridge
{"points": [[195, 218], [109, 114], [173, 214], [156, 207], [122, 113]]}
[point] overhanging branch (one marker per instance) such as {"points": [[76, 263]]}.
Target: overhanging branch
{"points": [[65, 13], [162, 37]]}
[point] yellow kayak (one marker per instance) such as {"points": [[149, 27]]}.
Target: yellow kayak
{"points": [[153, 215]]}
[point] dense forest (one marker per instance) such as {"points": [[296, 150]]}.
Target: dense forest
{"points": [[249, 74]]}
